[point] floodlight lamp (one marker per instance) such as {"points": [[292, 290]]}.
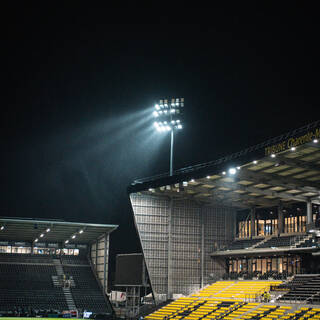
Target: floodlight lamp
{"points": [[192, 180], [67, 241], [224, 173], [254, 161], [173, 110], [48, 230], [179, 126], [293, 148], [273, 155], [178, 121], [36, 240], [165, 111], [232, 171], [73, 237], [81, 231], [172, 121], [208, 177], [238, 168], [157, 107], [41, 235], [155, 114], [173, 104], [315, 141], [165, 122], [2, 227]]}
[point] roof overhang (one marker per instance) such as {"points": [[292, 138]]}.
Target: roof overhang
{"points": [[284, 169], [30, 229]]}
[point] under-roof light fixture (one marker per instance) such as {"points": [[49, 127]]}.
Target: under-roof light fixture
{"points": [[169, 116], [232, 171], [74, 236], [48, 230], [208, 177], [2, 227], [67, 241], [273, 155], [315, 140], [224, 173], [192, 180], [238, 168], [36, 240], [293, 148], [254, 161], [41, 235], [81, 231]]}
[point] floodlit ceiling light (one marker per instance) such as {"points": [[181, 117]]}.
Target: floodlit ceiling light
{"points": [[185, 183], [173, 110], [208, 177], [41, 235], [192, 180], [238, 168], [81, 231], [273, 155], [157, 107], [315, 141], [254, 161], [36, 240], [293, 148], [73, 237], [179, 126], [178, 121], [232, 171], [155, 114], [48, 230], [173, 104], [2, 227], [67, 241], [224, 173]]}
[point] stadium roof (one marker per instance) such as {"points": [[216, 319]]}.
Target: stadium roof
{"points": [[283, 169], [52, 230]]}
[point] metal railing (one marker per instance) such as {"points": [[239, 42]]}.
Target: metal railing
{"points": [[233, 155]]}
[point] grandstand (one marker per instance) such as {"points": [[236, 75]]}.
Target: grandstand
{"points": [[234, 228], [49, 266]]}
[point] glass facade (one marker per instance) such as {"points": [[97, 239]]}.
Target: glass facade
{"points": [[285, 264]]}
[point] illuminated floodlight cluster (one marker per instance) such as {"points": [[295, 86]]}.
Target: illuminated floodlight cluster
{"points": [[168, 114]]}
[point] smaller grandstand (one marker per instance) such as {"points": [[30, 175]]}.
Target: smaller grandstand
{"points": [[50, 267]]}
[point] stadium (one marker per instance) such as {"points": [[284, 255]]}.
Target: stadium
{"points": [[236, 238]]}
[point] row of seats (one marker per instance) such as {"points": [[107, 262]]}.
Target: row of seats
{"points": [[242, 244], [194, 308], [238, 290], [285, 241], [302, 288]]}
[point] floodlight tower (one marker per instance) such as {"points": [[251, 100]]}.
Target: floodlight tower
{"points": [[168, 119]]}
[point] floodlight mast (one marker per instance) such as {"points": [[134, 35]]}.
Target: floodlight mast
{"points": [[170, 116]]}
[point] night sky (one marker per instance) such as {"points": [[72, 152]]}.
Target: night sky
{"points": [[79, 84]]}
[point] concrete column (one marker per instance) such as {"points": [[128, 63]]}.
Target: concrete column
{"points": [[280, 218], [253, 219], [309, 212], [202, 249], [169, 291]]}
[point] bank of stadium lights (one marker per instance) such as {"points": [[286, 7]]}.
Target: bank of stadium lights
{"points": [[168, 119]]}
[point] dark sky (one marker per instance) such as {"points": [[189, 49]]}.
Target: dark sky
{"points": [[79, 83]]}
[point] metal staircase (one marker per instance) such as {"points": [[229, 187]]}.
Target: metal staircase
{"points": [[67, 292]]}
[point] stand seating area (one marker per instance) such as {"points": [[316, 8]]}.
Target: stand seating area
{"points": [[208, 305], [304, 288], [283, 241], [29, 286]]}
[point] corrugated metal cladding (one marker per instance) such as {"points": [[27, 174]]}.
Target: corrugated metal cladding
{"points": [[190, 232]]}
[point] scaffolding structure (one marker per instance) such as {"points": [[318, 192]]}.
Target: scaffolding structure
{"points": [[177, 237]]}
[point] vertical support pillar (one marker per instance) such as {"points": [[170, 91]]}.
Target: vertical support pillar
{"points": [[105, 264], [202, 250], [234, 225], [309, 212], [280, 218], [96, 265], [169, 292], [253, 219]]}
